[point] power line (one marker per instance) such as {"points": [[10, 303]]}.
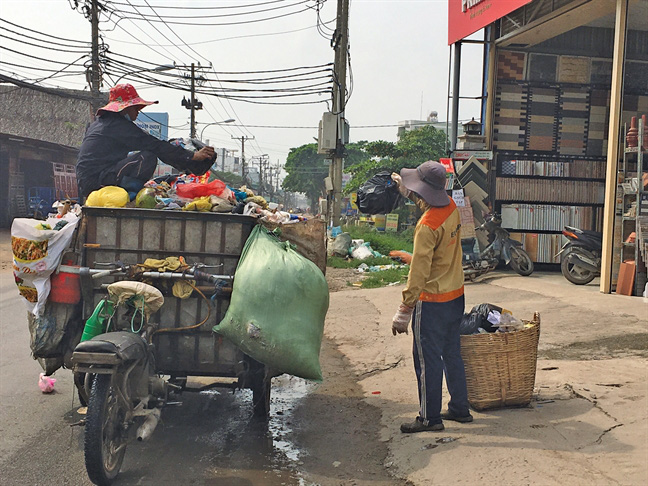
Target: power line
{"points": [[49, 47], [32, 57], [218, 24], [206, 8], [22, 66], [162, 18], [44, 35], [228, 38], [57, 92], [162, 34]]}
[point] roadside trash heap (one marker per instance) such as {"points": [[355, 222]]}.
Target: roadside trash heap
{"points": [[188, 192], [341, 244], [500, 353]]}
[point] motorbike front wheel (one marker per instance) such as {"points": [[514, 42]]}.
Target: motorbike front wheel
{"points": [[575, 273], [105, 437], [521, 261]]}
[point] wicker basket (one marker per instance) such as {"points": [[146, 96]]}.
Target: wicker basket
{"points": [[501, 367]]}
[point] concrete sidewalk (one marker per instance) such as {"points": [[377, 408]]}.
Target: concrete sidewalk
{"points": [[587, 423]]}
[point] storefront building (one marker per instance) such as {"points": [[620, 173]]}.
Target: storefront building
{"points": [[563, 82], [40, 133]]}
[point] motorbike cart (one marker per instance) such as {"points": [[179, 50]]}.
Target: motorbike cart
{"points": [[154, 341], [501, 247]]}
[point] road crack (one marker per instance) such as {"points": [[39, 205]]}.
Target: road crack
{"points": [[388, 367], [596, 405]]}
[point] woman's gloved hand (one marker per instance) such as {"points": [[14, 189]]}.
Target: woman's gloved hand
{"points": [[401, 320], [399, 182]]}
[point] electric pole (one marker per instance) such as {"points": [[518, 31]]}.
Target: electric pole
{"points": [[95, 71], [192, 103], [243, 138], [341, 46], [261, 176], [192, 129]]}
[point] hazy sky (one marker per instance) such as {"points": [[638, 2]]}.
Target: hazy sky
{"points": [[399, 62]]}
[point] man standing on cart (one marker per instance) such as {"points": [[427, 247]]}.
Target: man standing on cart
{"points": [[434, 298], [116, 152]]}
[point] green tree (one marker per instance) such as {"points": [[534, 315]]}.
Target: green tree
{"points": [[413, 148], [231, 179], [307, 169]]}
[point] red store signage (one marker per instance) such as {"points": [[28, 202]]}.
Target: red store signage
{"points": [[466, 17]]}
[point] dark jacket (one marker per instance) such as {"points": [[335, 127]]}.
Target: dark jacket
{"points": [[110, 138]]}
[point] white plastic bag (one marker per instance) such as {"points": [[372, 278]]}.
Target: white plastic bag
{"points": [[362, 253], [37, 252]]}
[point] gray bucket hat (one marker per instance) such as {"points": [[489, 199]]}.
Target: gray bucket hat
{"points": [[428, 180]]}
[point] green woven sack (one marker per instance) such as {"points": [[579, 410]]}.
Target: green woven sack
{"points": [[279, 302]]}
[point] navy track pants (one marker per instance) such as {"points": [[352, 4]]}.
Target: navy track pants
{"points": [[437, 350]]}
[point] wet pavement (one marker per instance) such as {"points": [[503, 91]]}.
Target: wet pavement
{"points": [[211, 439], [214, 439]]}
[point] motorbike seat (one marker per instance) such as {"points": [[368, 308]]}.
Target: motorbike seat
{"points": [[590, 233], [126, 345]]}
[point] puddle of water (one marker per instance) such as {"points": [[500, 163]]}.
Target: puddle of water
{"points": [[259, 451], [213, 439]]}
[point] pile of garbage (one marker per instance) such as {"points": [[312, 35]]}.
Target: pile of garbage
{"points": [[187, 192], [489, 318], [342, 245], [378, 268]]}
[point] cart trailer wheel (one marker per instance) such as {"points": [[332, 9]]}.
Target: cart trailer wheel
{"points": [[105, 437]]}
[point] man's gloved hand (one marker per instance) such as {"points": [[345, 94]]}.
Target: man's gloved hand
{"points": [[400, 322], [399, 182]]}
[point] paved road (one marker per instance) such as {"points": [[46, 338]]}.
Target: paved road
{"points": [[210, 439]]}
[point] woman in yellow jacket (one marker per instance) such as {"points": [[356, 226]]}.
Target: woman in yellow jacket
{"points": [[434, 298]]}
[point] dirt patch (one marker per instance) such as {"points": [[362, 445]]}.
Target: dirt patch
{"points": [[340, 430], [342, 278], [622, 345]]}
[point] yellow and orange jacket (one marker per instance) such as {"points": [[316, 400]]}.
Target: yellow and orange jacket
{"points": [[436, 273]]}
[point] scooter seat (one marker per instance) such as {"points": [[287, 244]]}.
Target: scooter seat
{"points": [[126, 345], [593, 234]]}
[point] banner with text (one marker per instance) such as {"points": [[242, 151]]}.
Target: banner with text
{"points": [[466, 17]]}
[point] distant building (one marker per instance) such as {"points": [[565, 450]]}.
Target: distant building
{"points": [[432, 119]]}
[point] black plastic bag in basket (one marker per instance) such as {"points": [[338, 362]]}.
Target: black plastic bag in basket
{"points": [[379, 195], [478, 317]]}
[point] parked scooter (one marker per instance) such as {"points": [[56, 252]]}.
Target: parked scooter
{"points": [[580, 257], [501, 247]]}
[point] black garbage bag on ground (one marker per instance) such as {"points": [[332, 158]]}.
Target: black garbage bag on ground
{"points": [[379, 195], [478, 317]]}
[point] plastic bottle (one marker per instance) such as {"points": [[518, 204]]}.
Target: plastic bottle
{"points": [[96, 323]]}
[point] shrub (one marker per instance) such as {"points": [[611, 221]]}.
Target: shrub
{"points": [[381, 241]]}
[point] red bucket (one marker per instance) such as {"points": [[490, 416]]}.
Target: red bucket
{"points": [[66, 288]]}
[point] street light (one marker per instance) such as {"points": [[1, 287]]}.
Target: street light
{"points": [[163, 67], [229, 120]]}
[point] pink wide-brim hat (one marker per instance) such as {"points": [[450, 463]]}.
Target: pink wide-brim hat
{"points": [[122, 96]]}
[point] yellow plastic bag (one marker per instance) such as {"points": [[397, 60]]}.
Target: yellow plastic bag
{"points": [[108, 197], [199, 204]]}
